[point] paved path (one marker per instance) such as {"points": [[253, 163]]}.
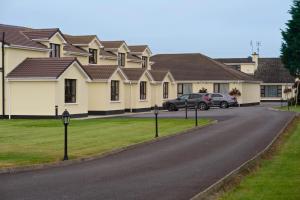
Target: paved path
{"points": [[176, 168]]}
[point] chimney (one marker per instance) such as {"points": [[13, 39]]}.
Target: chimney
{"points": [[255, 60]]}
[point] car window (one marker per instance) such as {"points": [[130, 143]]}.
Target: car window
{"points": [[183, 97], [195, 96], [216, 95]]}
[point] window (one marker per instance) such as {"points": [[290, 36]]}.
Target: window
{"points": [[195, 96], [166, 90], [216, 95], [222, 88], [55, 50], [121, 59], [93, 56], [144, 61], [184, 88], [184, 97], [143, 90], [114, 91], [271, 91], [70, 91]]}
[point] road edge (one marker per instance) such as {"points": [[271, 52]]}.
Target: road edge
{"points": [[14, 170], [208, 193]]}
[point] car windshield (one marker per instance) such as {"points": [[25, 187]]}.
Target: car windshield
{"points": [[183, 97]]}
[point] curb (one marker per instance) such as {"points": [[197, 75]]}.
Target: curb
{"points": [[99, 156], [220, 184]]}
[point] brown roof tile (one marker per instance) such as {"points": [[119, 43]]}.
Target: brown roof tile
{"points": [[80, 39], [14, 36], [133, 74], [112, 44], [272, 70], [137, 48], [234, 60], [158, 75], [102, 72], [41, 67], [196, 67], [41, 33]]}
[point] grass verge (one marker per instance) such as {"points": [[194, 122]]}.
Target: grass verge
{"points": [[278, 175], [29, 142], [292, 108]]}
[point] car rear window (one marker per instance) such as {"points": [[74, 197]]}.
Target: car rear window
{"points": [[195, 96]]}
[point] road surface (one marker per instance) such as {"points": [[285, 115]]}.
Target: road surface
{"points": [[175, 168]]}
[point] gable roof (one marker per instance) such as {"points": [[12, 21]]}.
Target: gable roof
{"points": [[133, 74], [158, 75], [234, 60], [195, 67], [41, 33], [100, 72], [80, 39], [112, 44], [43, 68], [272, 70], [137, 48], [14, 36]]}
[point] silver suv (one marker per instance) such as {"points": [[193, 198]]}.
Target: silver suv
{"points": [[222, 100]]}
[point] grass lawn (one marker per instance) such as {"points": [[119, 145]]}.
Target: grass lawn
{"points": [[278, 178], [292, 108], [27, 142]]}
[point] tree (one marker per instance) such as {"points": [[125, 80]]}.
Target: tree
{"points": [[290, 49]]}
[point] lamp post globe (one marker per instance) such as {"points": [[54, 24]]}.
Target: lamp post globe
{"points": [[66, 117], [66, 120]]}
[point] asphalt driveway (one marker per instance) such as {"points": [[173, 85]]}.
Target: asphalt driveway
{"points": [[175, 168]]}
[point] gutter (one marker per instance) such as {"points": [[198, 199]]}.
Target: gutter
{"points": [[3, 71]]}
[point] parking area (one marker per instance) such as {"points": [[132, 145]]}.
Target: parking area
{"points": [[219, 114]]}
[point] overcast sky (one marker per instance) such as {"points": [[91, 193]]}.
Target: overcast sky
{"points": [[217, 28]]}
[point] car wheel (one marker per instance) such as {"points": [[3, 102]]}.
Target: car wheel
{"points": [[202, 106], [172, 107], [224, 104]]}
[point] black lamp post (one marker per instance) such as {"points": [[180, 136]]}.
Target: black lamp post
{"points": [[156, 121], [186, 108], [66, 121], [196, 115]]}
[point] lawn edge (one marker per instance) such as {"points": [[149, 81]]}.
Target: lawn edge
{"points": [[239, 173], [13, 170]]}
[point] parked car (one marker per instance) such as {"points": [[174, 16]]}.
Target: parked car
{"points": [[202, 102], [222, 100]]}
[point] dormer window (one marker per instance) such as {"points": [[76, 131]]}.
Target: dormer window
{"points": [[121, 59], [144, 61], [55, 50], [93, 56]]}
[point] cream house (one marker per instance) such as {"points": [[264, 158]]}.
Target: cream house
{"points": [[36, 86], [106, 80], [271, 71], [194, 71], [138, 90], [163, 87], [45, 71]]}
